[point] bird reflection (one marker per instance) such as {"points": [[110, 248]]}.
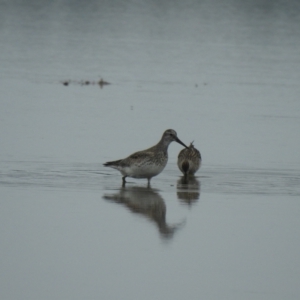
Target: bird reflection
{"points": [[188, 189], [147, 202]]}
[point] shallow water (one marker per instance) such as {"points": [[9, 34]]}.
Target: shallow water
{"points": [[224, 75]]}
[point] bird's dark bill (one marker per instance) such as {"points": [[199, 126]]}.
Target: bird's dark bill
{"points": [[180, 142]]}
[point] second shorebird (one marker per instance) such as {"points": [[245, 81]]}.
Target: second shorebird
{"points": [[149, 162], [189, 160]]}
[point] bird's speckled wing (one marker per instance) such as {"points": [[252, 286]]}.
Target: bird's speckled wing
{"points": [[144, 157]]}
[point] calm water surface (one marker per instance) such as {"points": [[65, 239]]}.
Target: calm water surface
{"points": [[224, 75]]}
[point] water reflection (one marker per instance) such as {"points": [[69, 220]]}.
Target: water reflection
{"points": [[147, 202], [188, 189]]}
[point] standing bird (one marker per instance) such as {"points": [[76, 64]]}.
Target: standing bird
{"points": [[149, 162], [189, 160]]}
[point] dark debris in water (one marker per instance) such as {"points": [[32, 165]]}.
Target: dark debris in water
{"points": [[100, 82]]}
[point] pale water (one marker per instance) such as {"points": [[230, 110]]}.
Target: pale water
{"points": [[224, 75]]}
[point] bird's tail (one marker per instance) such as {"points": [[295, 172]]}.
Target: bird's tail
{"points": [[185, 166], [112, 163]]}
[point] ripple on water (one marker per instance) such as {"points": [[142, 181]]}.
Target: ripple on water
{"points": [[251, 181], [213, 179]]}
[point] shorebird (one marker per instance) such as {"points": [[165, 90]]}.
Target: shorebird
{"points": [[146, 163], [189, 160]]}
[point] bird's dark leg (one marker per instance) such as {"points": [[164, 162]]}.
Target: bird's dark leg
{"points": [[185, 178], [148, 182], [123, 180]]}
